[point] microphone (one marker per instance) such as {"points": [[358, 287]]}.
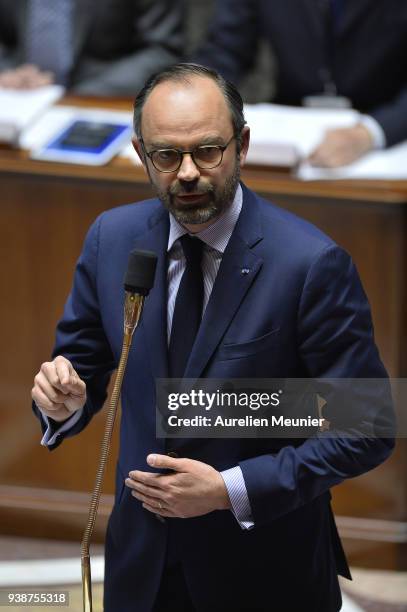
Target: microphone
{"points": [[138, 281], [139, 277]]}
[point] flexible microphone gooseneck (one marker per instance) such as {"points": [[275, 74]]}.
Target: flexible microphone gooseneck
{"points": [[138, 281]]}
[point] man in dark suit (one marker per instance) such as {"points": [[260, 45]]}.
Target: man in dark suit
{"points": [[357, 50], [108, 48], [248, 524]]}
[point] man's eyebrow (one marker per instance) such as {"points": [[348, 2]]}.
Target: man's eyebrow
{"points": [[210, 139], [160, 145]]}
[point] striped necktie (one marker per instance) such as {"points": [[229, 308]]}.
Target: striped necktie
{"points": [[49, 31]]}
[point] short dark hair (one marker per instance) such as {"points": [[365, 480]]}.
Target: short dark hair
{"points": [[183, 72]]}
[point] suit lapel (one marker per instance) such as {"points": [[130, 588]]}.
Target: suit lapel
{"points": [[154, 319], [237, 272]]}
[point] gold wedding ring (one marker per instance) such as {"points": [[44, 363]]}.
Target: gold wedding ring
{"points": [[160, 505]]}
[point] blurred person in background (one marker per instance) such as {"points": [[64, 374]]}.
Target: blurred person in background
{"points": [[339, 52], [104, 48]]}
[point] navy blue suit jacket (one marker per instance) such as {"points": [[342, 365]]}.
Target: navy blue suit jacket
{"points": [[370, 52], [299, 312]]}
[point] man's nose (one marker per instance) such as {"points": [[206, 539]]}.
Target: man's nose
{"points": [[188, 171]]}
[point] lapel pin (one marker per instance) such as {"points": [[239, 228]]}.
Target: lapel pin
{"points": [[245, 270]]}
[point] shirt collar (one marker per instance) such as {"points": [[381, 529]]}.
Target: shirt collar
{"points": [[218, 234]]}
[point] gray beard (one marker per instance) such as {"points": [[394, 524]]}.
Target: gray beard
{"points": [[219, 200]]}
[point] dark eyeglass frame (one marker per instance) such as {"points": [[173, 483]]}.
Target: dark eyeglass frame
{"points": [[181, 153]]}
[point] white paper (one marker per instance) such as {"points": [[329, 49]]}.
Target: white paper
{"points": [[304, 129], [389, 164], [20, 108]]}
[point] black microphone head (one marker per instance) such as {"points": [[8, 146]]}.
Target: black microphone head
{"points": [[140, 272]]}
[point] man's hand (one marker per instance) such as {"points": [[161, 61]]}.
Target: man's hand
{"points": [[194, 488], [26, 76], [58, 391], [342, 146]]}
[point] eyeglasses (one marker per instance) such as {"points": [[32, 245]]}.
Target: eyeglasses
{"points": [[205, 157]]}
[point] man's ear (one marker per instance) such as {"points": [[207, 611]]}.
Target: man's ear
{"points": [[245, 138], [138, 149]]}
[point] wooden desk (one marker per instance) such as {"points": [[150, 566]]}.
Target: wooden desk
{"points": [[45, 211]]}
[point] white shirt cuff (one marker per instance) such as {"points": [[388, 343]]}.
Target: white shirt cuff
{"points": [[375, 130], [236, 487], [49, 438]]}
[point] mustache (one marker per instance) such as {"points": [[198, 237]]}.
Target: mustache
{"points": [[199, 187]]}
